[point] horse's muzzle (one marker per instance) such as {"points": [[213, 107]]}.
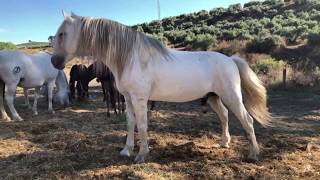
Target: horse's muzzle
{"points": [[58, 61]]}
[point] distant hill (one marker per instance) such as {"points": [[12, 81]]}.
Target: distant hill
{"points": [[289, 21], [33, 45]]}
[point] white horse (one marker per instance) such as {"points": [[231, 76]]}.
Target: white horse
{"points": [[145, 70], [63, 91], [27, 71]]}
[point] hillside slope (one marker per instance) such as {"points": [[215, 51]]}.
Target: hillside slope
{"points": [[283, 21]]}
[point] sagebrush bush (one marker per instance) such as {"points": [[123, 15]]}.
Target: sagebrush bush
{"points": [[264, 66], [201, 41], [263, 44], [7, 45], [314, 39]]}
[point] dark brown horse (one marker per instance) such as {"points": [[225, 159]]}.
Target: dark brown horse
{"points": [[110, 93], [79, 81]]}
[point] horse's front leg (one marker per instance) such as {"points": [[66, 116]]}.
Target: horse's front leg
{"points": [[2, 110], [26, 98], [72, 89], [140, 107], [50, 95], [35, 101], [10, 94], [128, 149]]}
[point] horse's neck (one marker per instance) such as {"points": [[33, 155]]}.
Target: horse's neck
{"points": [[61, 81]]}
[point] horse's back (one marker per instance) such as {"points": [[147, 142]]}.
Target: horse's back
{"points": [[13, 65], [42, 64], [190, 75]]}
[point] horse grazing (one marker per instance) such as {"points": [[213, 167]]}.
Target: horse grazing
{"points": [[27, 71], [79, 81], [110, 93], [63, 92], [146, 70]]}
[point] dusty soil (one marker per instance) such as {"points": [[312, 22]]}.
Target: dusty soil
{"points": [[81, 142]]}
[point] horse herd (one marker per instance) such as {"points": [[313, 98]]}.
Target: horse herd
{"points": [[133, 69], [36, 71], [80, 77]]}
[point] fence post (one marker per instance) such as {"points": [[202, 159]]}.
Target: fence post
{"points": [[284, 77]]}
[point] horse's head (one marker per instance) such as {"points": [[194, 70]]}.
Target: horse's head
{"points": [[63, 98], [66, 40]]}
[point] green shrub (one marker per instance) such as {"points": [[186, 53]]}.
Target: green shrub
{"points": [[252, 3], [314, 39], [7, 45], [263, 45], [202, 41], [264, 66]]}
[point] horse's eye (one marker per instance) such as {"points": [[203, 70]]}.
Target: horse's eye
{"points": [[62, 34]]}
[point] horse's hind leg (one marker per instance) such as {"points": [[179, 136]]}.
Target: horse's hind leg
{"points": [[35, 101], [107, 97], [3, 111], [26, 98], [233, 99], [113, 93], [50, 95], [215, 103], [10, 94]]}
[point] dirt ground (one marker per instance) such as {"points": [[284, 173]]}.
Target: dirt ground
{"points": [[80, 142]]}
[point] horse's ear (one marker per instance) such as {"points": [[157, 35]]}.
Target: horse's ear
{"points": [[67, 16], [73, 15]]}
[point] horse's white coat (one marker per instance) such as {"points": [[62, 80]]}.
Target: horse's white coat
{"points": [[27, 71], [185, 76]]}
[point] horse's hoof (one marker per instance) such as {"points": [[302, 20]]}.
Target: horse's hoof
{"points": [[17, 119], [224, 145], [52, 111], [140, 158], [7, 119], [127, 151], [252, 159], [35, 113], [204, 109]]}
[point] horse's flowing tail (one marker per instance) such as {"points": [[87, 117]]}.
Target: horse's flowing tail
{"points": [[254, 93], [2, 88]]}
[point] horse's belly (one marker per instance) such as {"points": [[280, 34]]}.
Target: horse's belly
{"points": [[181, 87]]}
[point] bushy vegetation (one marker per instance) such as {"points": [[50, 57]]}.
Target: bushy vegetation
{"points": [[264, 66], [314, 39], [256, 21], [263, 44], [7, 45]]}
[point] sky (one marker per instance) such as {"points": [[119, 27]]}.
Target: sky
{"points": [[36, 20]]}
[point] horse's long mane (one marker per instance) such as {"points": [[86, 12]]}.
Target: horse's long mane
{"points": [[114, 42]]}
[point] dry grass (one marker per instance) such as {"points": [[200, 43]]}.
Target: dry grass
{"points": [[80, 142]]}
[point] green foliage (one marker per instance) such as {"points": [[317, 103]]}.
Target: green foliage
{"points": [[256, 19], [264, 66], [314, 39], [7, 45], [263, 44], [201, 41]]}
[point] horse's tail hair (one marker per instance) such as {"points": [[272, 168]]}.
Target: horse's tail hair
{"points": [[2, 88], [254, 93]]}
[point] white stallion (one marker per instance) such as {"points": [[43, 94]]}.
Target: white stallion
{"points": [[28, 71], [145, 70]]}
